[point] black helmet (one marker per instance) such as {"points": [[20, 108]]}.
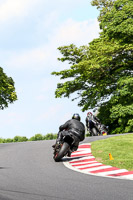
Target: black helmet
{"points": [[76, 116]]}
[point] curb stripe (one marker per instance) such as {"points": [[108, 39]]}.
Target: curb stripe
{"points": [[75, 155], [105, 170], [83, 161], [98, 165], [89, 165], [78, 161], [114, 172], [84, 146], [124, 173]]}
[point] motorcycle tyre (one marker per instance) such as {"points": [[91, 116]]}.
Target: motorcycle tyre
{"points": [[94, 132], [62, 152]]}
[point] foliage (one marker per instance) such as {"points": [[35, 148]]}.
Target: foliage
{"points": [[19, 139], [1, 140], [50, 136], [119, 110], [36, 137], [101, 73], [32, 138], [7, 90], [8, 140], [116, 19]]}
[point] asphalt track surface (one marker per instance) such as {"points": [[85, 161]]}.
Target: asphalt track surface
{"points": [[28, 172]]}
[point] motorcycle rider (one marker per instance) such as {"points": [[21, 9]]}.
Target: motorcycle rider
{"points": [[74, 127], [91, 120]]}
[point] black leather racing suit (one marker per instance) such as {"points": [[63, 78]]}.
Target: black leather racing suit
{"points": [[74, 127], [91, 120]]}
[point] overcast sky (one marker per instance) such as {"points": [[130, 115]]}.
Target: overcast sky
{"points": [[30, 33]]}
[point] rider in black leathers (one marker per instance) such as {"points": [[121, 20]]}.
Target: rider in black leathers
{"points": [[91, 121], [74, 127]]}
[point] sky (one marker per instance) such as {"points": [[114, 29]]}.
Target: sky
{"points": [[30, 33]]}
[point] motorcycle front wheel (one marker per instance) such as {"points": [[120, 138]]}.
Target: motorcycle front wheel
{"points": [[94, 132], [62, 152]]}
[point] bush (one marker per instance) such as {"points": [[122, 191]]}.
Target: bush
{"points": [[32, 138], [8, 140], [1, 140], [19, 139], [38, 136], [50, 136], [24, 139]]}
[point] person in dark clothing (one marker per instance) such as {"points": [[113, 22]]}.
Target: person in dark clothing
{"points": [[91, 120], [74, 127]]}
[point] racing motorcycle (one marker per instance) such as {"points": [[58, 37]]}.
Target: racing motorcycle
{"points": [[64, 147], [97, 129], [103, 129], [93, 128]]}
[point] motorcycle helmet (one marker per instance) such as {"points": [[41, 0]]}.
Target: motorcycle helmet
{"points": [[76, 116], [89, 113]]}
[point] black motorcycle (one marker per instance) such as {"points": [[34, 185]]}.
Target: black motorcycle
{"points": [[97, 129], [93, 128], [103, 129], [64, 147]]}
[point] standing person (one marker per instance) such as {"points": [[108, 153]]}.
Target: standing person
{"points": [[91, 121], [74, 127]]}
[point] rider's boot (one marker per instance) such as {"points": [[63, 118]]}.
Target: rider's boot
{"points": [[69, 153]]}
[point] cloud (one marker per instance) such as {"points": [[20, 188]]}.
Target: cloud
{"points": [[45, 56], [50, 112], [16, 8], [48, 84], [80, 33], [34, 58], [12, 118]]}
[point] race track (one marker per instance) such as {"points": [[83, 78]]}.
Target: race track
{"points": [[28, 172]]}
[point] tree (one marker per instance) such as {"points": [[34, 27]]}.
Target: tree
{"points": [[38, 136], [117, 26], [102, 72], [8, 140], [7, 90], [50, 136]]}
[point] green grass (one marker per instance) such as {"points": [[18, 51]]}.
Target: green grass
{"points": [[121, 149]]}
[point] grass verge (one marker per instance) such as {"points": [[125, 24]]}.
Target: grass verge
{"points": [[121, 149]]}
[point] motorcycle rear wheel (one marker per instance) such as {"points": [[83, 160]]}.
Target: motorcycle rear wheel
{"points": [[62, 152]]}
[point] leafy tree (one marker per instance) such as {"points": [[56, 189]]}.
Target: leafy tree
{"points": [[20, 139], [38, 136], [7, 90], [50, 136], [32, 138], [16, 138], [8, 140], [101, 73], [117, 27], [24, 139], [1, 140]]}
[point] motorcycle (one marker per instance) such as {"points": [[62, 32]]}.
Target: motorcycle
{"points": [[94, 128], [104, 129], [97, 129], [63, 148]]}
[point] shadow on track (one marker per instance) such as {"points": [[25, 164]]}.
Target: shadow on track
{"points": [[70, 159]]}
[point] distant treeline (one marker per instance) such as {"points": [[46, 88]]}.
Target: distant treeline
{"points": [[49, 136]]}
